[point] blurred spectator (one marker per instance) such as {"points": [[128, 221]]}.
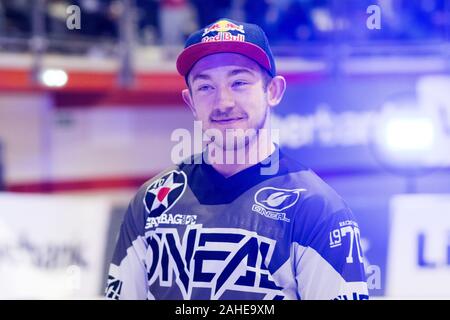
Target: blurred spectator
{"points": [[295, 23], [167, 22], [57, 17], [18, 17], [419, 23], [2, 20], [176, 21], [148, 22], [99, 17], [256, 12], [209, 11]]}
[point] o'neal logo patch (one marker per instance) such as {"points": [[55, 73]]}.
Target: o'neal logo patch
{"points": [[270, 202], [277, 199], [163, 193]]}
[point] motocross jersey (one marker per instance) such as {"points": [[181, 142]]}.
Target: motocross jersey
{"points": [[191, 233]]}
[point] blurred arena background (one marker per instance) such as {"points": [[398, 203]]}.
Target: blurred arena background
{"points": [[88, 103]]}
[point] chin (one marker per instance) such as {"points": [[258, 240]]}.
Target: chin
{"points": [[241, 142], [235, 146]]}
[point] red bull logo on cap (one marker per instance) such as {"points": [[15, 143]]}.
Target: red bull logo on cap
{"points": [[223, 28]]}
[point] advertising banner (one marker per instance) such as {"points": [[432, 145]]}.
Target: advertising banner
{"points": [[52, 246], [418, 264]]}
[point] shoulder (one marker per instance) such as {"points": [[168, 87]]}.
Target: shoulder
{"points": [[319, 205], [141, 203], [319, 196], [175, 174], [316, 194]]}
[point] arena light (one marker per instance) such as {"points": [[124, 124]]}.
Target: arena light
{"points": [[410, 134], [405, 138], [55, 78]]}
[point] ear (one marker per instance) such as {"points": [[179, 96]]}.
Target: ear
{"points": [[188, 100], [275, 90]]}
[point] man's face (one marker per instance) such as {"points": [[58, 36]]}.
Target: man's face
{"points": [[227, 91]]}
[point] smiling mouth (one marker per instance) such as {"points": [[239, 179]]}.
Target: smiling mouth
{"points": [[227, 121]]}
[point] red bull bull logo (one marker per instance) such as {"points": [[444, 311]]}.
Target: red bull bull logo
{"points": [[223, 28]]}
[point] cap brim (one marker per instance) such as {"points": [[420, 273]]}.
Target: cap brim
{"points": [[189, 56]]}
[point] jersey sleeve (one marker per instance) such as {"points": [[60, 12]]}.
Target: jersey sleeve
{"points": [[329, 259], [127, 278]]}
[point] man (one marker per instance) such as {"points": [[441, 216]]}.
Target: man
{"points": [[214, 229]]}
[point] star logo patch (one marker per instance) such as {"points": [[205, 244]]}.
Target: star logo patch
{"points": [[162, 194]]}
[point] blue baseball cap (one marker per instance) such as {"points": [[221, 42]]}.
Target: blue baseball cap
{"points": [[230, 36]]}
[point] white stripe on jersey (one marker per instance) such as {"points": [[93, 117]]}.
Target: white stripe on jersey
{"points": [[318, 280]]}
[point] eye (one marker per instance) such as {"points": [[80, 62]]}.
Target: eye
{"points": [[204, 87], [239, 83]]}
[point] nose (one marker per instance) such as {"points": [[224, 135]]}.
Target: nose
{"points": [[224, 99]]}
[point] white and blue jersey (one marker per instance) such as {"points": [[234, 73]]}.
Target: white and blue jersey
{"points": [[190, 233]]}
